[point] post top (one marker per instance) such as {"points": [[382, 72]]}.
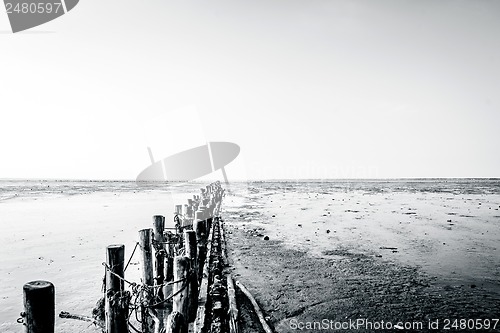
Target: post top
{"points": [[39, 284], [115, 246]]}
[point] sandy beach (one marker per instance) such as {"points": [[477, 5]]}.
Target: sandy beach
{"points": [[376, 252], [62, 238], [386, 251]]}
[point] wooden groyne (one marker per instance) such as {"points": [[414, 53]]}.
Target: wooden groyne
{"points": [[183, 286]]}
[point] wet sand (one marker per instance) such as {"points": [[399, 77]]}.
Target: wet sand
{"points": [[394, 256], [62, 239], [334, 251]]}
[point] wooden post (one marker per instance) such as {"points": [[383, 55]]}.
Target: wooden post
{"points": [[39, 307], [147, 256], [145, 238], [115, 258], [178, 212], [188, 214], [159, 262], [169, 263], [117, 300], [201, 239], [169, 271], [200, 214], [175, 323], [207, 217], [195, 203], [190, 208], [190, 244], [192, 253], [181, 289], [200, 226], [209, 222], [178, 209], [159, 257]]}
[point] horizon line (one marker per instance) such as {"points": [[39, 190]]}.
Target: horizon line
{"points": [[249, 180]]}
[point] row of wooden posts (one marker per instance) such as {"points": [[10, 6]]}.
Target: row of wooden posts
{"points": [[173, 288]]}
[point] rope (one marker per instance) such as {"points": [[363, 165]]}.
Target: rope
{"points": [[141, 293], [158, 242], [138, 291], [116, 275], [135, 285], [67, 315], [130, 259], [167, 298]]}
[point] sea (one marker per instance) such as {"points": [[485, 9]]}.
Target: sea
{"points": [[15, 188]]}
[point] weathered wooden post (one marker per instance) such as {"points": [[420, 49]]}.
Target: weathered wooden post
{"points": [[169, 262], [209, 218], [207, 215], [175, 323], [201, 215], [190, 207], [186, 214], [39, 307], [145, 239], [201, 240], [183, 220], [117, 300], [170, 240], [115, 258], [192, 253], [200, 226], [159, 257], [195, 202], [181, 289], [178, 210]]}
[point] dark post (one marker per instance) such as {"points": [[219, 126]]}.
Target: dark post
{"points": [[159, 258], [200, 225], [175, 323], [115, 258], [192, 253], [117, 300], [39, 307], [181, 289], [145, 238]]}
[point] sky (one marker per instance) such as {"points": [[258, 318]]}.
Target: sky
{"points": [[307, 89]]}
